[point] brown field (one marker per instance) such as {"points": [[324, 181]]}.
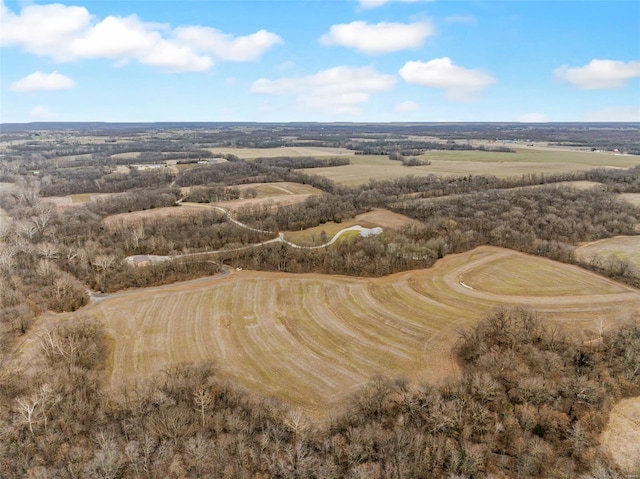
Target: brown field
{"points": [[457, 163], [268, 190], [386, 219], [579, 185], [633, 198], [269, 194], [252, 153], [130, 155], [74, 200], [157, 213], [621, 438], [623, 247], [313, 339]]}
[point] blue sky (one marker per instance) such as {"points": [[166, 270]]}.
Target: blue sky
{"points": [[320, 60]]}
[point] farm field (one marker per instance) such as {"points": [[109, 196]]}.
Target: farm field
{"points": [[79, 199], [386, 219], [267, 190], [623, 247], [157, 213], [282, 200], [455, 163], [252, 153], [633, 198], [621, 438], [313, 339]]}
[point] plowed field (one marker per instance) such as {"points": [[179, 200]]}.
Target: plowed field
{"points": [[313, 339]]}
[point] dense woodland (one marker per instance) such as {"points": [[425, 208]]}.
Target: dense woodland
{"points": [[189, 423]]}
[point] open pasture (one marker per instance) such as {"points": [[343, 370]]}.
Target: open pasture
{"points": [[313, 339], [460, 163], [624, 247]]}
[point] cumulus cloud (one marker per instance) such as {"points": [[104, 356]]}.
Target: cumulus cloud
{"points": [[337, 90], [379, 3], [407, 106], [379, 38], [460, 84], [534, 118], [226, 46], [599, 74], [70, 33], [620, 113], [42, 113], [39, 81]]}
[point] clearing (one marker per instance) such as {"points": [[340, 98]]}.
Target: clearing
{"points": [[312, 340], [376, 217], [621, 438], [623, 247]]}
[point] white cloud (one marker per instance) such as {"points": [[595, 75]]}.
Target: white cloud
{"points": [[43, 29], [621, 113], [379, 38], [337, 90], [599, 74], [379, 3], [534, 118], [42, 113], [407, 106], [460, 84], [67, 33], [225, 46], [39, 81]]}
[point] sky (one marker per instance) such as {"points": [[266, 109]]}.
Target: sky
{"points": [[319, 60]]}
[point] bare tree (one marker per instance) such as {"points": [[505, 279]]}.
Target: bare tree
{"points": [[26, 407], [137, 233], [202, 400]]}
